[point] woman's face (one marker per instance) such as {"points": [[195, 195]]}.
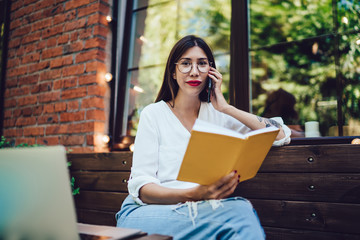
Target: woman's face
{"points": [[191, 72]]}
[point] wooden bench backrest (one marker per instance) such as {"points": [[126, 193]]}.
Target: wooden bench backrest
{"points": [[300, 192]]}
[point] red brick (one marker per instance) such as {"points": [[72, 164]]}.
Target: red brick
{"points": [[74, 36], [23, 11], [27, 2], [13, 43], [13, 63], [96, 90], [95, 115], [16, 5], [88, 10], [29, 100], [29, 79], [96, 19], [66, 17], [73, 116], [13, 133], [35, 16], [75, 128], [85, 33], [43, 4], [45, 87], [51, 42], [57, 129], [16, 71], [9, 103], [75, 4], [33, 131], [37, 110], [41, 45], [72, 140], [11, 83], [88, 79], [74, 93], [35, 57], [70, 82], [49, 97], [60, 107], [86, 56], [90, 140], [8, 113], [19, 91], [20, 31], [25, 121], [52, 52], [17, 113], [45, 23], [50, 141], [55, 30], [26, 112], [95, 66], [73, 70], [61, 61], [9, 122], [29, 141], [50, 75], [31, 37], [73, 105], [38, 66], [74, 47], [29, 48], [101, 55], [73, 25], [58, 84], [48, 119], [93, 102], [63, 39], [100, 30], [95, 42], [49, 108]]}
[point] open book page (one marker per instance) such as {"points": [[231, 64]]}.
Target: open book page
{"points": [[203, 126], [212, 155]]}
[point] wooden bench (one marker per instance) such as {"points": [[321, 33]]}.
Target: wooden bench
{"points": [[300, 192]]}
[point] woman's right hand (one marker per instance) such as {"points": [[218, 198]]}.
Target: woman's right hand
{"points": [[218, 190]]}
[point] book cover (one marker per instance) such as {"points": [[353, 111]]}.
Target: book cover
{"points": [[214, 152]]}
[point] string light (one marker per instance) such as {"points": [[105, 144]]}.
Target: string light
{"points": [[131, 147], [105, 139], [108, 77], [358, 42], [109, 18]]}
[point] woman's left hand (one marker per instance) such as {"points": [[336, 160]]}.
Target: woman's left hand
{"points": [[217, 98]]}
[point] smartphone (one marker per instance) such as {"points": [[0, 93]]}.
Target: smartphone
{"points": [[209, 87]]}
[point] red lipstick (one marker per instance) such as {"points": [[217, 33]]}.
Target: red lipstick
{"points": [[194, 83]]}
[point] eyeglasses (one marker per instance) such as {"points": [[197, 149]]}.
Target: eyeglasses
{"points": [[185, 66]]}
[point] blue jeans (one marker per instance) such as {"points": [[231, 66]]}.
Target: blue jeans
{"points": [[231, 218]]}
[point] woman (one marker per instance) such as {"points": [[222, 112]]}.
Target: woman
{"points": [[157, 202]]}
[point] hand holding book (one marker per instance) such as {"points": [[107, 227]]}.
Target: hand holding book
{"points": [[214, 152]]}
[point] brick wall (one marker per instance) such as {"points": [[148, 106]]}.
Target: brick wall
{"points": [[55, 89]]}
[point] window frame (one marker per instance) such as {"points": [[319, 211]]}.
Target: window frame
{"points": [[5, 12]]}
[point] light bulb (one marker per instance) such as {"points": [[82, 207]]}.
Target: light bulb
{"points": [[109, 19], [108, 77], [105, 139]]}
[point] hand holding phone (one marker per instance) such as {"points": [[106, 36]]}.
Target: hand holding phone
{"points": [[209, 86]]}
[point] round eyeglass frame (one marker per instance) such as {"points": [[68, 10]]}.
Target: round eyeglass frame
{"points": [[192, 65]]}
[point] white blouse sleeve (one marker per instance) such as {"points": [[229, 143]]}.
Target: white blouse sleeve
{"points": [[145, 158]]}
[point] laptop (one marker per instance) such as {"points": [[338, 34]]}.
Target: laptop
{"points": [[36, 200]]}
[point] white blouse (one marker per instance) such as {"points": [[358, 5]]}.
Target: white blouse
{"points": [[161, 142]]}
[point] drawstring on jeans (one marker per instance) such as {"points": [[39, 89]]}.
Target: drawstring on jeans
{"points": [[193, 208]]}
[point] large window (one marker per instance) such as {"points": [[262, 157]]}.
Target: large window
{"points": [[309, 51]]}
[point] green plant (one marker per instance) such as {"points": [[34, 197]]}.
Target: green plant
{"points": [[7, 144]]}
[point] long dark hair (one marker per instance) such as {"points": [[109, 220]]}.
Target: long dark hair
{"points": [[169, 87]]}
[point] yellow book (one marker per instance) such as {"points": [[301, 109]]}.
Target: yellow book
{"points": [[214, 152]]}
